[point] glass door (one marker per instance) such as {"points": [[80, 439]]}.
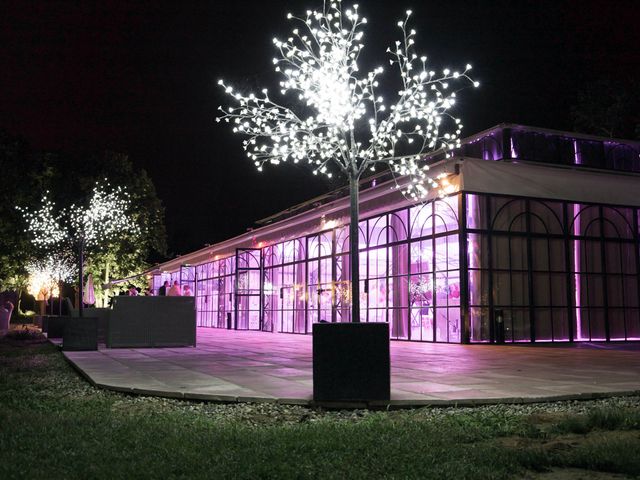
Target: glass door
{"points": [[248, 288]]}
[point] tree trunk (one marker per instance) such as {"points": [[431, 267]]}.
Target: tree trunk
{"points": [[105, 294], [354, 193], [19, 301], [80, 285]]}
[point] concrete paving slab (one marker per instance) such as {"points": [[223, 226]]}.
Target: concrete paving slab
{"points": [[241, 366]]}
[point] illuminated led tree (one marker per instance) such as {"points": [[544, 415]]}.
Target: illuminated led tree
{"points": [[55, 259], [340, 119], [82, 226], [46, 275]]}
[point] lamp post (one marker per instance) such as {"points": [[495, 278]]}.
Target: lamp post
{"points": [[59, 295]]}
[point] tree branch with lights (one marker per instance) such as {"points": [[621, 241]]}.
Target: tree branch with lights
{"points": [[340, 119]]}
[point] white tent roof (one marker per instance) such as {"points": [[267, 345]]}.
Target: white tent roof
{"points": [[550, 182]]}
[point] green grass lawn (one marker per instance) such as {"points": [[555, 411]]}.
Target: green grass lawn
{"points": [[53, 424]]}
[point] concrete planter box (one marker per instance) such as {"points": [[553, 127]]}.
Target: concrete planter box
{"points": [[54, 325], [103, 315], [42, 321], [351, 362], [80, 334]]}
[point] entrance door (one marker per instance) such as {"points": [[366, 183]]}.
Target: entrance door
{"points": [[188, 279], [293, 314], [248, 288], [321, 303], [288, 299]]}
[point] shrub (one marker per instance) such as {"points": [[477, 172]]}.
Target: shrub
{"points": [[26, 334], [573, 424]]}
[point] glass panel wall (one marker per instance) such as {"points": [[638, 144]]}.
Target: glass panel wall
{"points": [[285, 287], [409, 273], [187, 280], [342, 285], [605, 262], [248, 288], [555, 271], [159, 279], [408, 281], [320, 278], [215, 293]]}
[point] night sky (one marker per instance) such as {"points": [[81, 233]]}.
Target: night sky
{"points": [[140, 78]]}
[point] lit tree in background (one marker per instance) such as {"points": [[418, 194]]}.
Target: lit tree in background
{"points": [[105, 216], [341, 120], [46, 275], [54, 258]]}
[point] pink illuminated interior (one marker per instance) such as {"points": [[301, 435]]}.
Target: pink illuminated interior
{"points": [[409, 270], [410, 275]]}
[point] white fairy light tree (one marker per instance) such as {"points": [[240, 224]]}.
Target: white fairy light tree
{"points": [[341, 120], [46, 275], [105, 216]]}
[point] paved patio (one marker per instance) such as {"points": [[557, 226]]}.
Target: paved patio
{"points": [[253, 366]]}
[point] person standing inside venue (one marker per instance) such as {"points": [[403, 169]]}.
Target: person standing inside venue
{"points": [[162, 291], [175, 290], [186, 291]]}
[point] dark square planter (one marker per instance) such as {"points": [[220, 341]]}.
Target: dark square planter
{"points": [[351, 362], [80, 334], [103, 315], [54, 325], [42, 321], [142, 322]]}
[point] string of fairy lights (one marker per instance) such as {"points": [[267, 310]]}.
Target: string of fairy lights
{"points": [[342, 119]]}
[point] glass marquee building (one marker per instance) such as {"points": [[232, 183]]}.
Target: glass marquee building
{"points": [[534, 233]]}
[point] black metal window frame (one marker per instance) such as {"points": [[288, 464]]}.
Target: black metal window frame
{"points": [[627, 276]]}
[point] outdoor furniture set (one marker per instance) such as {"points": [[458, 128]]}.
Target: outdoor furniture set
{"points": [[133, 322]]}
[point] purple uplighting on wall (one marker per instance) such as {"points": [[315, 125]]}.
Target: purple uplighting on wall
{"points": [[576, 263], [576, 251]]}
